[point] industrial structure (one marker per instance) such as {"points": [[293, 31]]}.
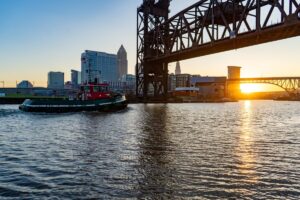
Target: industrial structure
{"points": [[207, 27]]}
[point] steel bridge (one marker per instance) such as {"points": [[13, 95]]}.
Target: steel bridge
{"points": [[207, 27], [290, 84]]}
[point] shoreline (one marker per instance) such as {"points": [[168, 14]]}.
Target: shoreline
{"points": [[17, 101]]}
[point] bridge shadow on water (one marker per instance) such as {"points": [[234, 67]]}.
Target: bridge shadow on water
{"points": [[156, 154]]}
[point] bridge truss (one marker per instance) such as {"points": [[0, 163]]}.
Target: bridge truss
{"points": [[290, 84], [207, 27]]}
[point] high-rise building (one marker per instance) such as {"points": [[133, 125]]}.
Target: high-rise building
{"points": [[75, 78], [122, 62], [98, 67], [56, 80], [177, 70]]}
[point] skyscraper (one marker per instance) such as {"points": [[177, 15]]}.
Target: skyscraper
{"points": [[177, 70], [75, 78], [122, 62], [98, 67]]}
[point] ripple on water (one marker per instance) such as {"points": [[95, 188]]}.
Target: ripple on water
{"points": [[190, 151]]}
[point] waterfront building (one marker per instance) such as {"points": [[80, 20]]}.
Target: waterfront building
{"points": [[177, 69], [183, 80], [179, 80], [122, 62], [56, 80], [172, 82], [24, 84], [210, 87], [75, 78], [69, 85], [126, 85], [128, 78], [202, 87], [98, 67]]}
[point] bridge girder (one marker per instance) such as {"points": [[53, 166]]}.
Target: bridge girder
{"points": [[290, 84], [211, 26]]}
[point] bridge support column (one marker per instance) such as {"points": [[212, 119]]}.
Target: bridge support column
{"points": [[155, 80], [152, 77]]}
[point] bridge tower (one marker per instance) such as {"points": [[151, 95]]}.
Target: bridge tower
{"points": [[233, 89], [152, 77]]}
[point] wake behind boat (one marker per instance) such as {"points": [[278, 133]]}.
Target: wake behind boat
{"points": [[92, 97]]}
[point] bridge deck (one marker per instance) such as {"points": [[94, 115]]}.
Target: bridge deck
{"points": [[264, 79]]}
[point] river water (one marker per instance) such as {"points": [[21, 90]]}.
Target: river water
{"points": [[245, 150]]}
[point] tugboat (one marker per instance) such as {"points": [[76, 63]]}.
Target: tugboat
{"points": [[91, 97]]}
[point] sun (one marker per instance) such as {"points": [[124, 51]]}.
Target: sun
{"points": [[250, 88]]}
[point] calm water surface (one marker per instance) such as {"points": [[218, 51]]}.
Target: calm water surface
{"points": [[245, 150]]}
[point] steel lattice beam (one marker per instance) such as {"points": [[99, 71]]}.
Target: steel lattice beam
{"points": [[151, 76], [290, 84]]}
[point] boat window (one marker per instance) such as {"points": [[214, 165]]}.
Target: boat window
{"points": [[104, 89], [101, 89], [96, 89], [87, 89]]}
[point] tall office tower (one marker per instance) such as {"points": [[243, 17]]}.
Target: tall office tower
{"points": [[122, 62], [98, 67], [177, 70], [56, 80], [75, 78]]}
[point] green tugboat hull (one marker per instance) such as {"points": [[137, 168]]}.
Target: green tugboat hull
{"points": [[64, 106]]}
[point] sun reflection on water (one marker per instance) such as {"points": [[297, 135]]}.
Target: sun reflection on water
{"points": [[245, 154]]}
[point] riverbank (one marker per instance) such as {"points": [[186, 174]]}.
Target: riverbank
{"points": [[20, 100]]}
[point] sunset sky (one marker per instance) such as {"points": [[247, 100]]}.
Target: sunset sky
{"points": [[38, 36]]}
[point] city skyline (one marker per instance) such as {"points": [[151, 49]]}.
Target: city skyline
{"points": [[50, 36]]}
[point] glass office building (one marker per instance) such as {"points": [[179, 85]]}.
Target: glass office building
{"points": [[98, 67]]}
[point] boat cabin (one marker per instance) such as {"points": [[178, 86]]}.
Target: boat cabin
{"points": [[95, 91]]}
